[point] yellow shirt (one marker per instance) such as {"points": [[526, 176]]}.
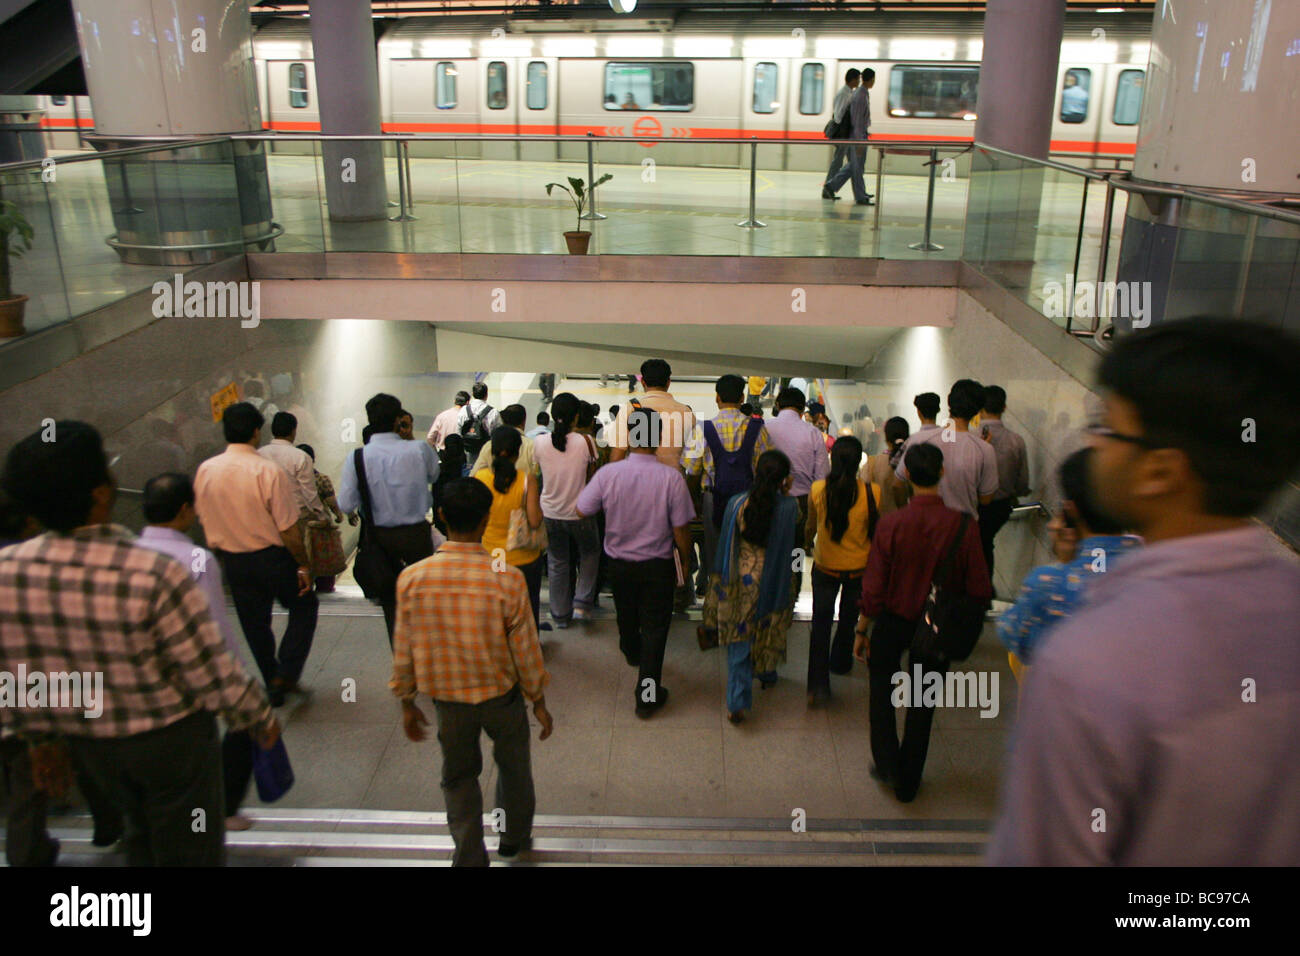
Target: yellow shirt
{"points": [[850, 552], [498, 527]]}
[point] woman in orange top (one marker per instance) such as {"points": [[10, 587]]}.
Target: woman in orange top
{"points": [[842, 515], [511, 490]]}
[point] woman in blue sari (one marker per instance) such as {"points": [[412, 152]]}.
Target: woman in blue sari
{"points": [[750, 602]]}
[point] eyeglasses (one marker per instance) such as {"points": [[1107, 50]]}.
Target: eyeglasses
{"points": [[1103, 431]]}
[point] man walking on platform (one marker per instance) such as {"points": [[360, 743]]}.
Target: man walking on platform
{"points": [[860, 114], [838, 110]]}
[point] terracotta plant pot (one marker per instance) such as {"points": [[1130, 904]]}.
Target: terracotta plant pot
{"points": [[578, 242], [11, 317]]}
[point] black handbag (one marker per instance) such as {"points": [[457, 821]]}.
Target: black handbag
{"points": [[373, 569], [952, 620]]}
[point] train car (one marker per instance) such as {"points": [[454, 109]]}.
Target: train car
{"points": [[65, 119]]}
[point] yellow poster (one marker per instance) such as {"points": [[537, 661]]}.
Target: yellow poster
{"points": [[227, 396]]}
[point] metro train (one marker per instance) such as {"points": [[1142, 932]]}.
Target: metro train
{"points": [[666, 81]]}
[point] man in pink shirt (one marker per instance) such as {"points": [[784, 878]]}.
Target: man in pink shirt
{"points": [[444, 423]]}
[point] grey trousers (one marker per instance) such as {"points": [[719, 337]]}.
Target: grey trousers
{"points": [[709, 547], [838, 159], [505, 720]]}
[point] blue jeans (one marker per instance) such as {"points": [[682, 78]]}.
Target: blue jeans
{"points": [[740, 677], [857, 159], [585, 533]]}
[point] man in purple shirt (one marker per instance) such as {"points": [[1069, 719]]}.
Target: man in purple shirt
{"points": [[648, 511], [169, 509], [803, 443], [1157, 727]]}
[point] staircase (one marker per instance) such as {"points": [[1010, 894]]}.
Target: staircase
{"points": [[323, 837]]}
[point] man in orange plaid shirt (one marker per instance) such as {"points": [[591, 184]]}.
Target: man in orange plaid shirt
{"points": [[465, 636]]}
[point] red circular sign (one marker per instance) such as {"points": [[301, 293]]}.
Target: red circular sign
{"points": [[647, 126]]}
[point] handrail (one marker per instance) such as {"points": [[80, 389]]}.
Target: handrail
{"points": [[90, 157], [1120, 179]]}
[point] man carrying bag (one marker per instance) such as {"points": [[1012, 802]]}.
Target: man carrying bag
{"points": [[840, 126]]}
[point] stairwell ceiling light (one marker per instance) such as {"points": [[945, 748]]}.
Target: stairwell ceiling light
{"points": [[622, 6]]}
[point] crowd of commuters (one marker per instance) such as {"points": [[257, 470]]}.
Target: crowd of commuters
{"points": [[1143, 665]]}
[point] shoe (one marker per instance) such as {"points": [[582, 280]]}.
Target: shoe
{"points": [[647, 710], [827, 194], [864, 202], [238, 823], [544, 626], [884, 779], [737, 717], [508, 851], [104, 839], [766, 684], [581, 615], [818, 698], [558, 625]]}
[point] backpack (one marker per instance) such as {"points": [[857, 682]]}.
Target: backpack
{"points": [[475, 432], [733, 471]]}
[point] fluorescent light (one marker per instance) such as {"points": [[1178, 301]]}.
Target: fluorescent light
{"points": [[922, 49], [1089, 51], [634, 46], [847, 48], [702, 47], [974, 50], [773, 46], [441, 48], [511, 46], [969, 116], [1110, 10], [569, 46]]}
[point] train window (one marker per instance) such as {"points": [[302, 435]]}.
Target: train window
{"points": [[812, 89], [59, 100], [496, 85], [933, 92], [445, 85], [1074, 96], [298, 85], [537, 79], [1128, 98], [765, 83], [649, 86]]}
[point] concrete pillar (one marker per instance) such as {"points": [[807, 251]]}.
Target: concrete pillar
{"points": [[1218, 115], [1022, 45], [347, 86], [168, 68]]}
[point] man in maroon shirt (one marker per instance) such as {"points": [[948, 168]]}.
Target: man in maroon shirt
{"points": [[907, 549]]}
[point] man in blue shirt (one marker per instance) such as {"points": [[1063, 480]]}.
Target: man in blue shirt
{"points": [[1090, 543], [398, 475]]}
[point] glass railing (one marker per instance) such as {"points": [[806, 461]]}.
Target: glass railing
{"points": [[110, 224], [1096, 252]]}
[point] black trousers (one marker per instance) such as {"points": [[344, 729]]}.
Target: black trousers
{"points": [[236, 768], [826, 658], [505, 720], [992, 517], [404, 544], [257, 580], [903, 763], [159, 779], [533, 578], [643, 604]]}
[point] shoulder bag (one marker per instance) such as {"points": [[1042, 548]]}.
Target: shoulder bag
{"points": [[522, 536], [951, 621], [373, 569]]}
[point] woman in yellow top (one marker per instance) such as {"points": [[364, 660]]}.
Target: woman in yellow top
{"points": [[511, 490], [842, 515]]}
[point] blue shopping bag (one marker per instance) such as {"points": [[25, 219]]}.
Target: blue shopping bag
{"points": [[272, 772]]}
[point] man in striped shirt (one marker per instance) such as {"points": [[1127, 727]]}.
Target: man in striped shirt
{"points": [[82, 600], [465, 636]]}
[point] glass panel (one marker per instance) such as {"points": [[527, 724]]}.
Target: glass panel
{"points": [[1074, 96], [445, 86], [1128, 98], [298, 85], [496, 85], [766, 76], [649, 86], [933, 92], [812, 89], [537, 81]]}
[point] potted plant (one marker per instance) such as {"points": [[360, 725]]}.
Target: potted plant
{"points": [[15, 239], [581, 197]]}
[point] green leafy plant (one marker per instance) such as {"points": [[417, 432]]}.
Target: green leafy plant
{"points": [[15, 238], [579, 194]]}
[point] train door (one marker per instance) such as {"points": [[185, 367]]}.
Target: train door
{"points": [[1120, 112], [765, 107], [1075, 124], [812, 97], [292, 106], [538, 107], [499, 107]]}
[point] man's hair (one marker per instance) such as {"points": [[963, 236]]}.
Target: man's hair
{"points": [[923, 462], [868, 74], [165, 495], [1199, 385], [791, 397], [852, 75], [543, 418], [283, 424], [995, 399], [53, 481], [239, 421], [382, 411], [308, 451], [514, 415], [656, 373], [643, 426], [1075, 487], [927, 405], [464, 503], [403, 413], [816, 408], [730, 388], [965, 398], [479, 390], [462, 398], [747, 409]]}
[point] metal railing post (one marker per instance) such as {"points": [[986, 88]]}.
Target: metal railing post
{"points": [[591, 213], [925, 244], [880, 198], [410, 190], [402, 215], [1078, 248], [1243, 277], [129, 208], [1103, 256], [751, 222]]}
